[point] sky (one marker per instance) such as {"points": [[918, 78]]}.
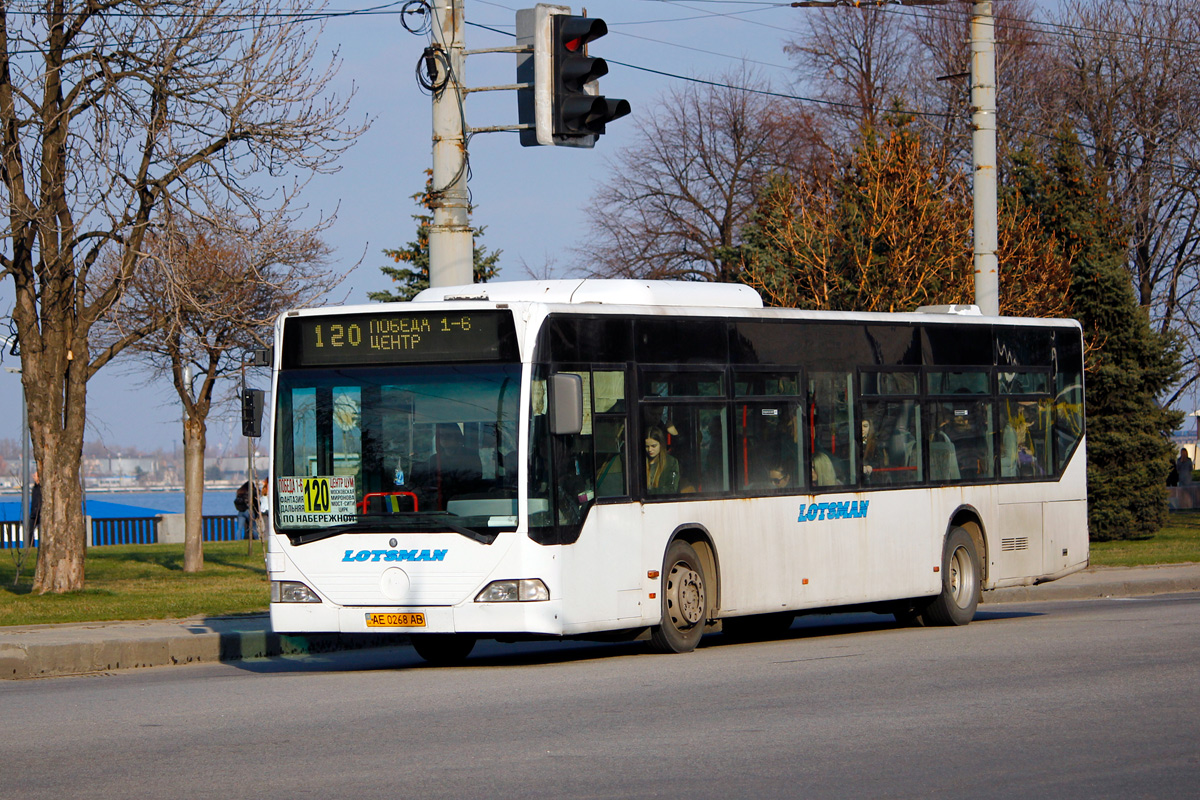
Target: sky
{"points": [[534, 202]]}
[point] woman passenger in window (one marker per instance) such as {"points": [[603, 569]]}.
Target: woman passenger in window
{"points": [[873, 455], [870, 449], [662, 470]]}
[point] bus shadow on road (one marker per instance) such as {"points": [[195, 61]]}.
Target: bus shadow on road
{"points": [[814, 626], [549, 652]]}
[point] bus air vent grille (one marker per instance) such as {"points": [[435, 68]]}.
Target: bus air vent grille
{"points": [[1015, 543]]}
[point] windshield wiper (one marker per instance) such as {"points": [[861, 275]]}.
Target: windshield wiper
{"points": [[470, 533], [421, 520]]}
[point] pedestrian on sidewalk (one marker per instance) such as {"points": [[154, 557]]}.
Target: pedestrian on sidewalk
{"points": [[246, 503], [1183, 467], [35, 510]]}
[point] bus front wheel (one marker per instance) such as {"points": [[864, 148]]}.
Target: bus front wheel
{"points": [[961, 582], [684, 597], [443, 649]]}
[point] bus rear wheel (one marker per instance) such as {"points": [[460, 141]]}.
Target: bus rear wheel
{"points": [[443, 649], [684, 598], [961, 583]]}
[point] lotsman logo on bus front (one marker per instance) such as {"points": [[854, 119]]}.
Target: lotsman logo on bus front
{"points": [[395, 555], [850, 509]]}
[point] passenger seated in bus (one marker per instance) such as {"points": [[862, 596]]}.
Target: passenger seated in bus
{"points": [[943, 460], [1018, 456], [873, 455], [453, 468], [823, 473], [774, 477], [973, 445], [779, 476], [889, 458], [662, 470]]}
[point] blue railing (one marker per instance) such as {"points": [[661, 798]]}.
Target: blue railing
{"points": [[132, 530], [127, 530], [222, 528], [10, 536]]}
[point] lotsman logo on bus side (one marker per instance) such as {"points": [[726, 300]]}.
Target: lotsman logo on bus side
{"points": [[850, 509], [395, 555]]}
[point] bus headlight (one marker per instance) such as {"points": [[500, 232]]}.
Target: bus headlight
{"points": [[521, 591], [292, 592]]}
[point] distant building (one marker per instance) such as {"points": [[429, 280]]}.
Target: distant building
{"points": [[121, 467], [234, 467]]}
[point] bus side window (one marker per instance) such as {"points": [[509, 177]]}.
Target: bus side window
{"points": [[766, 449], [831, 444], [610, 457], [611, 448], [712, 443], [891, 442], [694, 441], [1026, 447]]}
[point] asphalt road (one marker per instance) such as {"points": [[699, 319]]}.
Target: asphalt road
{"points": [[1068, 700]]}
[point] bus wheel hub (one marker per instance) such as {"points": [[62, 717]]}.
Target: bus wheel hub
{"points": [[688, 595]]}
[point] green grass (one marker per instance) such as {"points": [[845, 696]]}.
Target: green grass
{"points": [[131, 582], [144, 581], [1178, 542]]}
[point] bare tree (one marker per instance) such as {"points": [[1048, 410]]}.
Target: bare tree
{"points": [[1027, 102], [111, 110], [1130, 83], [678, 197], [213, 289], [858, 59]]}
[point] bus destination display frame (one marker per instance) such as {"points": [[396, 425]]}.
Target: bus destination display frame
{"points": [[391, 337]]}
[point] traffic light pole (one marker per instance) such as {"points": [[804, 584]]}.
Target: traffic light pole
{"points": [[451, 244], [983, 156]]}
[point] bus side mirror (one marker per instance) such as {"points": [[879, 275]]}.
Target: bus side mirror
{"points": [[566, 403]]}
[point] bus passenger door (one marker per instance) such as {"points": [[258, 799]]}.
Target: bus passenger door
{"points": [[602, 535]]}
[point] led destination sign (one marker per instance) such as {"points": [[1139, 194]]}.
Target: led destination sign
{"points": [[389, 337]]}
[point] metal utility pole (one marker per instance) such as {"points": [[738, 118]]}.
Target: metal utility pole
{"points": [[451, 245], [983, 156]]}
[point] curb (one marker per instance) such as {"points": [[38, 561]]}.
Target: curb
{"points": [[77, 649], [1116, 586]]}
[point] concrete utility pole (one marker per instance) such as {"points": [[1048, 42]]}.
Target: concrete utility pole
{"points": [[983, 156], [451, 245]]}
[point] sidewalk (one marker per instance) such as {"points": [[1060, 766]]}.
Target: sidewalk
{"points": [[50, 650]]}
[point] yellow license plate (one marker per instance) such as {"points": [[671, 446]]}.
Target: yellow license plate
{"points": [[395, 620]]}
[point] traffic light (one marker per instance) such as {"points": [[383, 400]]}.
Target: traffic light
{"points": [[575, 110], [564, 105], [252, 411]]}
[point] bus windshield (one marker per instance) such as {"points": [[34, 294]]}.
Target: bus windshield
{"points": [[397, 449]]}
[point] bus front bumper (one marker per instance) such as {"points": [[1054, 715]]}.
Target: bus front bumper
{"points": [[487, 619]]}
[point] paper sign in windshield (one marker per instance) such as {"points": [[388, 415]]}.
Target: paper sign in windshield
{"points": [[316, 502]]}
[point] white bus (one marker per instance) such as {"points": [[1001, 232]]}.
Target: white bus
{"points": [[599, 459]]}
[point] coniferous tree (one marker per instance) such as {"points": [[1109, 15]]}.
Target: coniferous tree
{"points": [[1128, 364], [412, 279]]}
